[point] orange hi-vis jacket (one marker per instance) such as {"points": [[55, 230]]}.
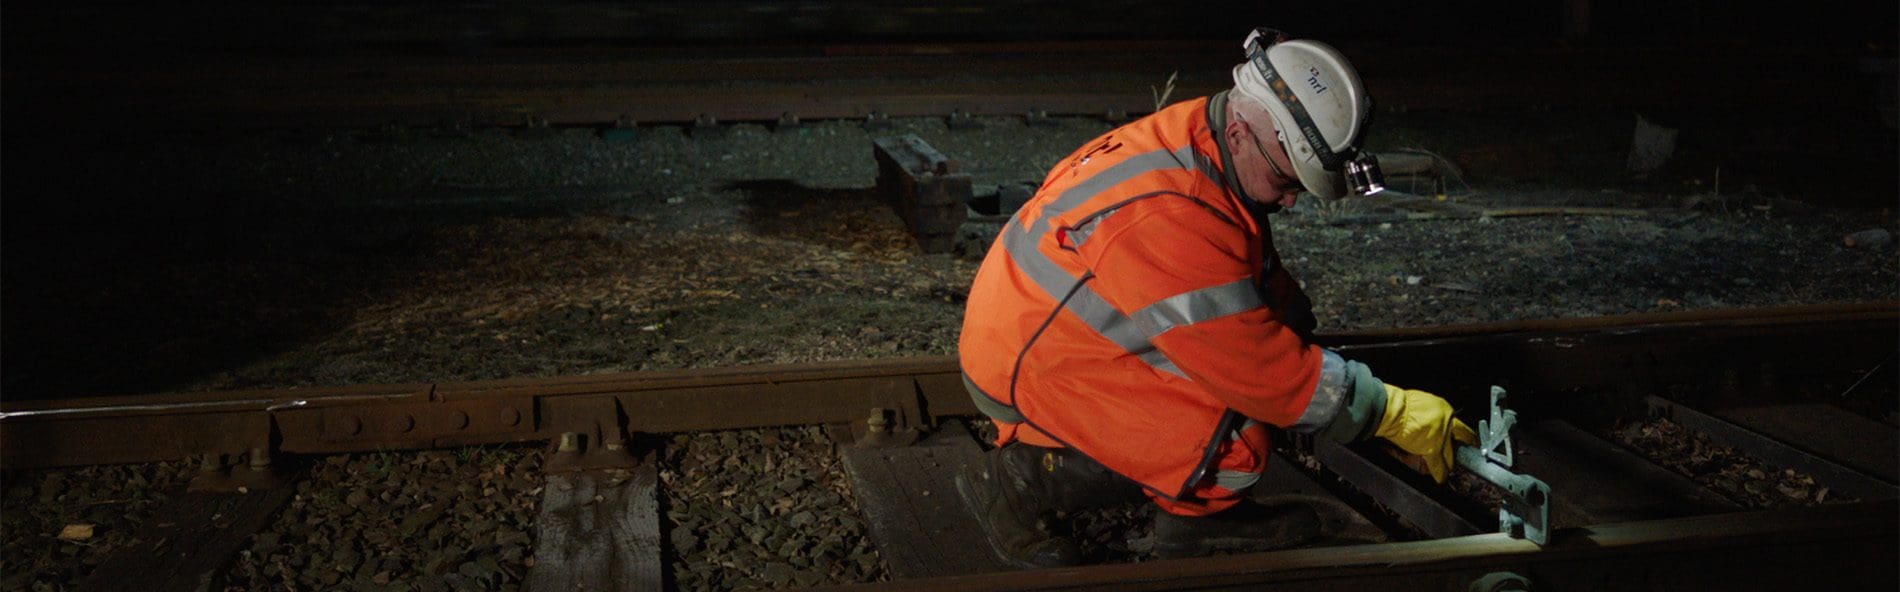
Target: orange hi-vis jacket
{"points": [[1131, 311]]}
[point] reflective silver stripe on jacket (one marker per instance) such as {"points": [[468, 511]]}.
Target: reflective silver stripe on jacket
{"points": [[1086, 227], [1194, 306], [1239, 481], [1056, 281], [1236, 481], [989, 405]]}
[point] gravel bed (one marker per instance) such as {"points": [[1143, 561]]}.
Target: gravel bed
{"points": [[436, 520], [763, 509], [57, 524], [338, 257]]}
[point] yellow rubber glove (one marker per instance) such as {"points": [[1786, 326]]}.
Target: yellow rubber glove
{"points": [[1421, 424]]}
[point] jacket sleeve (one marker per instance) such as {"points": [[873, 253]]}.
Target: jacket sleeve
{"points": [[1183, 274]]}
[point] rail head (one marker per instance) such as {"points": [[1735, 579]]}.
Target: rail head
{"points": [[911, 392]]}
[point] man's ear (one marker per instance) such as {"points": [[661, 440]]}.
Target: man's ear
{"points": [[1237, 130]]}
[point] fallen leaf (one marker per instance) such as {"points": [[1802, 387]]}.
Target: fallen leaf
{"points": [[75, 532]]}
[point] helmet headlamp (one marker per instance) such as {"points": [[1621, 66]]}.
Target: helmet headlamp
{"points": [[1363, 176]]}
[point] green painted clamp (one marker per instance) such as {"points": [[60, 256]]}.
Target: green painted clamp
{"points": [[1525, 512]]}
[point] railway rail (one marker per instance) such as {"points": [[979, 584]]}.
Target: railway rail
{"points": [[1618, 521]]}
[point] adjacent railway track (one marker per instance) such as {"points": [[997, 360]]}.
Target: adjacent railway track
{"points": [[784, 83], [1619, 520]]}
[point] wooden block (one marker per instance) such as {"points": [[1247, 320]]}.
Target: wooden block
{"points": [[189, 541], [599, 530], [909, 497]]}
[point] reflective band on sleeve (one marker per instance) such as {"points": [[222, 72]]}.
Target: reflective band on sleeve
{"points": [[990, 406], [1080, 234], [1236, 481], [1194, 306], [1329, 397], [1364, 408], [1244, 426]]}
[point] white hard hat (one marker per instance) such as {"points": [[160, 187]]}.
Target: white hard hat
{"points": [[1320, 107]]}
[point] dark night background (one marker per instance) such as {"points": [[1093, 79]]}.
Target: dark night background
{"points": [[82, 25]]}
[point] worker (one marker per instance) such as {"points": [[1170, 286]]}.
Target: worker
{"points": [[1132, 330]]}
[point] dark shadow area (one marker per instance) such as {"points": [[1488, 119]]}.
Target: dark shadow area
{"points": [[837, 218], [122, 280], [1847, 158]]}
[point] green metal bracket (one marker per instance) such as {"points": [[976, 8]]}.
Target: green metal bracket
{"points": [[1525, 512]]}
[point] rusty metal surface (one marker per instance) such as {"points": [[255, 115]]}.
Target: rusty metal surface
{"points": [[1634, 353], [1840, 546], [1845, 546], [1592, 353], [1394, 493], [1859, 443]]}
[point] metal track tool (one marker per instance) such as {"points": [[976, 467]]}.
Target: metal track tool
{"points": [[1525, 511]]}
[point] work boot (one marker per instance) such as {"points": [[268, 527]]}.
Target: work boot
{"points": [[1247, 527], [1006, 492], [1073, 482]]}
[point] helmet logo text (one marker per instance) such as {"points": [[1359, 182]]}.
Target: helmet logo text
{"points": [[1312, 79]]}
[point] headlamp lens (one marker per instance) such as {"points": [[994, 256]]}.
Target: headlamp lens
{"points": [[1363, 176]]}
